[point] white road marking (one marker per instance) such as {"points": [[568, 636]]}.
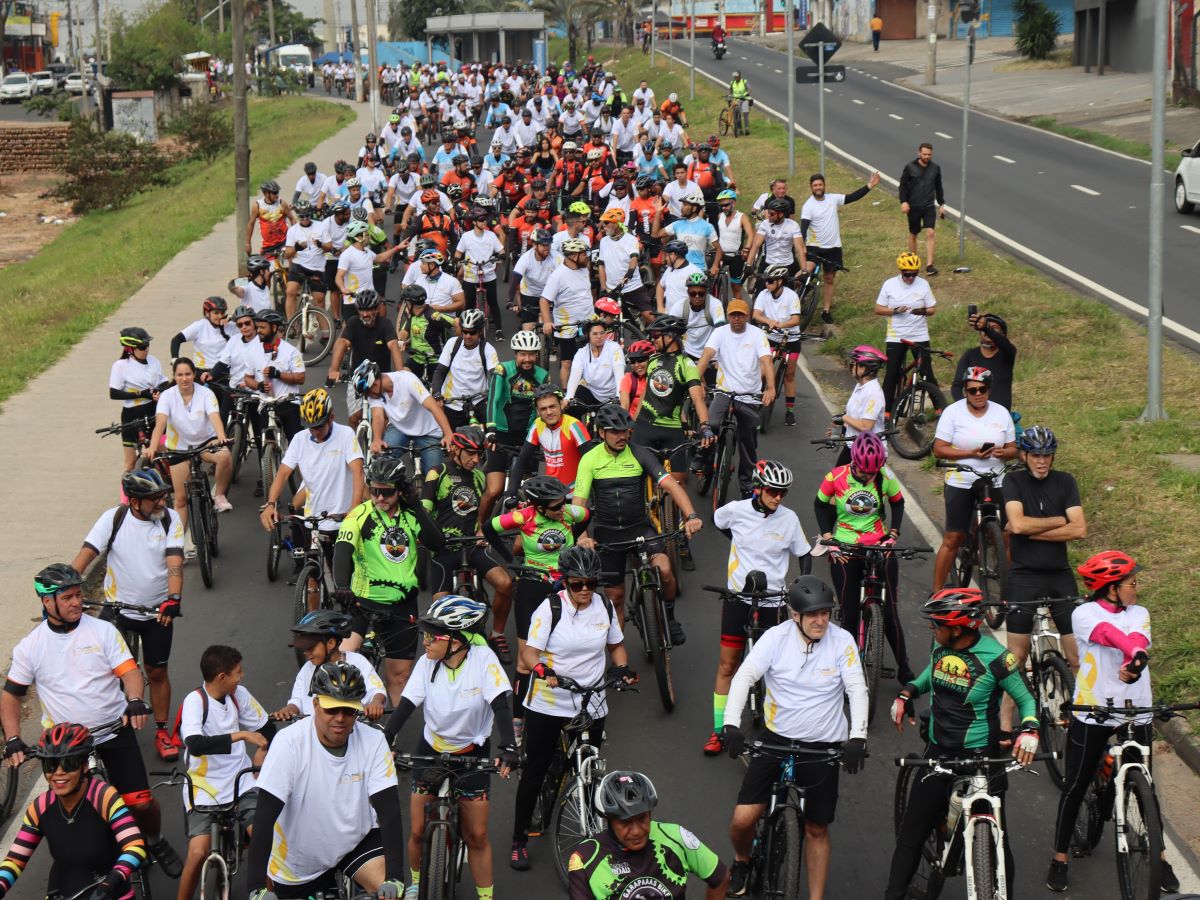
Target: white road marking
{"points": [[758, 64], [858, 102], [1191, 228], [741, 57], [829, 90], [1086, 190], [779, 71], [1004, 159], [896, 117], [944, 136]]}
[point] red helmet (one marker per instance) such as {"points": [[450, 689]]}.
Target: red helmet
{"points": [[65, 740], [430, 195], [1108, 567], [978, 373], [639, 351], [955, 606], [608, 306], [867, 453]]}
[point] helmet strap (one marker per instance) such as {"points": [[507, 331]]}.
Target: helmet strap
{"points": [[756, 502], [57, 623]]}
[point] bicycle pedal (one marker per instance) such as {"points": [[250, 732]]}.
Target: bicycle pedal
{"points": [[298, 553]]}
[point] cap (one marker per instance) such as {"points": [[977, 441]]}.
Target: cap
{"points": [[737, 306], [328, 703]]}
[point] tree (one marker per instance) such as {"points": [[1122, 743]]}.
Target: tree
{"points": [[575, 16], [1036, 30], [291, 25], [411, 15], [148, 54]]}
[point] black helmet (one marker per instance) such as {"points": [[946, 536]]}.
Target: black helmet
{"points": [[623, 795], [386, 470], [303, 209], [256, 263], [454, 191], [269, 187], [541, 489], [55, 578], [777, 204], [64, 741], [458, 158], [270, 317], [809, 593], [339, 681], [679, 248], [243, 312], [547, 389], [139, 484], [671, 324], [324, 623], [413, 293], [469, 437], [579, 562], [611, 417], [1038, 439], [135, 337], [365, 299]]}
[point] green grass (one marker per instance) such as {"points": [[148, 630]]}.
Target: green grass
{"points": [[1107, 141], [1080, 369], [49, 302]]}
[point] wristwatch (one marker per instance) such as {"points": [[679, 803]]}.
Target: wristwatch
{"points": [[692, 517]]}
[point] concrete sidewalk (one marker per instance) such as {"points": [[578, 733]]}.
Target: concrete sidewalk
{"points": [[47, 445]]}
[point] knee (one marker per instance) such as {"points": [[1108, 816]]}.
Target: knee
{"points": [[476, 837], [743, 819], [952, 540], [157, 674], [815, 832]]}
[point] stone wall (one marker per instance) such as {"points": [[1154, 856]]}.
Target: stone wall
{"points": [[28, 148]]}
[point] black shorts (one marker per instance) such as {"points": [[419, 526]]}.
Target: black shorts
{"points": [[819, 779], [639, 299], [735, 618], [122, 760], [395, 632], [501, 458], [624, 156], [129, 434], [921, 218], [156, 639], [299, 275], [443, 566], [530, 309], [331, 277], [567, 347], [528, 597], [612, 562], [736, 263], [369, 848], [826, 255], [661, 438], [472, 786], [794, 348], [1026, 584], [960, 507]]}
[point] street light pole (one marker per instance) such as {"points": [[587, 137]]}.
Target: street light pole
{"points": [[821, 103], [355, 59], [791, 89], [962, 194], [372, 64], [241, 134], [931, 60], [1155, 411], [692, 31]]}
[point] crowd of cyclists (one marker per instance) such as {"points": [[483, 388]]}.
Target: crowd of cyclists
{"points": [[614, 223]]}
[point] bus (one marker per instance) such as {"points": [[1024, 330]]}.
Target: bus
{"points": [[296, 56]]}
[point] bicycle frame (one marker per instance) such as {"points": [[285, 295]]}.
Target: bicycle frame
{"points": [[1124, 767]]}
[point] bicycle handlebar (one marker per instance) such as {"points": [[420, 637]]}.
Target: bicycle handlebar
{"points": [[792, 748], [448, 761], [906, 552], [118, 427], [175, 776], [121, 606], [989, 474], [640, 541], [608, 683], [1159, 711], [750, 595], [973, 762]]}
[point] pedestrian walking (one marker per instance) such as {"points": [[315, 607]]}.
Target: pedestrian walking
{"points": [[876, 31], [923, 201]]}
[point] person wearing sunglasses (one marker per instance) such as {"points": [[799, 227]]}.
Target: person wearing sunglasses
{"points": [[82, 819], [763, 535], [463, 373], [907, 302], [979, 433]]}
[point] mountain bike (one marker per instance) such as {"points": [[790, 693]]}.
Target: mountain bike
{"points": [[723, 465], [810, 287], [274, 439], [443, 851], [277, 281], [110, 611], [311, 329], [733, 116], [467, 582], [238, 428], [917, 405], [663, 514], [202, 515], [779, 362], [313, 589]]}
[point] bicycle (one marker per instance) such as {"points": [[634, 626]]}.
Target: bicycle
{"points": [[810, 287], [721, 472], [313, 591], [873, 598], [274, 439], [202, 515], [983, 552], [664, 515], [779, 362], [311, 329], [917, 405], [443, 851], [110, 610], [467, 582], [226, 834], [277, 282], [971, 840], [733, 115], [140, 879]]}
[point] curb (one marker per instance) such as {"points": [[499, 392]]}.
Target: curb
{"points": [[1183, 741]]}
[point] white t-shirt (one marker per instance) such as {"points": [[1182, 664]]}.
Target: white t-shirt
{"points": [[738, 359], [824, 230], [325, 468], [600, 374], [457, 703], [130, 375], [479, 249], [674, 192], [334, 190], [285, 358], [311, 190], [1100, 665], [188, 424], [312, 257], [439, 292], [302, 699], [468, 375], [403, 405], [306, 777], [560, 238], [698, 327], [615, 256], [777, 241], [373, 180], [405, 188], [357, 264], [866, 402], [534, 272], [906, 326], [207, 340], [569, 292], [624, 135], [967, 432], [213, 774], [259, 298], [77, 673], [577, 648], [780, 309], [760, 542], [674, 283], [242, 357], [137, 561]]}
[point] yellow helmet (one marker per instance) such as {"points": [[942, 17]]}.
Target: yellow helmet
{"points": [[316, 408], [908, 262]]}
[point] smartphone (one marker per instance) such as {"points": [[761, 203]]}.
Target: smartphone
{"points": [[986, 448], [972, 310]]}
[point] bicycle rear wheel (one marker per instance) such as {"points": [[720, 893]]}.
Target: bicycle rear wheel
{"points": [[783, 866], [656, 646], [311, 332], [572, 824], [992, 573], [984, 859], [237, 434], [809, 301], [872, 655], [767, 410], [1054, 687], [214, 878], [302, 601], [435, 866], [724, 121], [1140, 869], [8, 791], [914, 418], [1089, 823], [198, 525], [723, 290]]}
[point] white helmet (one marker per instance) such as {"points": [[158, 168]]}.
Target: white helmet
{"points": [[695, 198], [673, 97], [574, 245], [526, 340], [472, 319]]}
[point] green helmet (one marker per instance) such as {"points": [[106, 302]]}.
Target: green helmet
{"points": [[356, 229], [726, 195], [697, 278], [580, 208]]}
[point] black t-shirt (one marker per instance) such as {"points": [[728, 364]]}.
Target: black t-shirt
{"points": [[370, 343], [999, 365], [1044, 499]]}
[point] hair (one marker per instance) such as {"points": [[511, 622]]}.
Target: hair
{"points": [[218, 660], [924, 145], [183, 360], [775, 181], [819, 176], [678, 166], [555, 397]]}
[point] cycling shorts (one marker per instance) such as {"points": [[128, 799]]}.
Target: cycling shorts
{"points": [[472, 786], [443, 567], [501, 458], [368, 849], [122, 760], [297, 274], [395, 632], [530, 309], [735, 619], [661, 438], [818, 779], [639, 299], [156, 639], [613, 562], [129, 434], [527, 598], [793, 351], [1027, 584], [200, 818], [960, 508], [826, 255], [331, 277], [737, 266]]}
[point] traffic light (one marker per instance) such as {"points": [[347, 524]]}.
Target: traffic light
{"points": [[968, 10]]}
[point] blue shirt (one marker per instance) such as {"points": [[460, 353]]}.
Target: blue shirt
{"points": [[442, 160], [494, 163], [719, 158], [697, 233], [650, 166], [496, 113]]}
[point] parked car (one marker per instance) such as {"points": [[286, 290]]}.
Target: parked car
{"points": [[1187, 180], [60, 71], [44, 82], [16, 86], [73, 83]]}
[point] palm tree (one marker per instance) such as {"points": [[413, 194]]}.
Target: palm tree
{"points": [[573, 15]]}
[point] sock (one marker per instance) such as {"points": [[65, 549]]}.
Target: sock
{"points": [[790, 401], [485, 893], [414, 876], [161, 726], [719, 701]]}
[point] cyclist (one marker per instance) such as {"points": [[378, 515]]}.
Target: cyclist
{"points": [[1113, 631], [368, 335], [278, 371], [533, 269], [566, 301], [356, 264], [739, 90], [907, 302], [136, 379], [812, 672], [510, 411], [777, 189], [735, 235], [596, 369], [864, 408], [671, 291], [696, 232], [375, 566], [273, 215], [256, 292], [777, 309], [636, 854], [778, 237], [981, 434], [422, 332], [820, 214], [323, 764], [618, 268], [403, 413], [476, 256], [966, 672], [237, 365], [306, 258], [633, 382], [318, 636], [83, 819], [763, 536], [84, 673], [562, 439], [443, 292], [459, 685], [207, 334], [579, 640], [612, 477], [463, 372], [849, 507], [144, 567], [309, 184]]}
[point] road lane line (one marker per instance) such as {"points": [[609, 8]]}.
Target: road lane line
{"points": [[758, 64], [1191, 228], [896, 117], [1086, 190], [779, 71], [1004, 159], [859, 102], [944, 136]]}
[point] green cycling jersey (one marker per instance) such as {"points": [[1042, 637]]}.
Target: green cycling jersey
{"points": [[510, 403], [384, 553], [601, 869]]}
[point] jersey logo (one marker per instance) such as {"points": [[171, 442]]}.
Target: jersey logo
{"points": [[463, 500], [552, 540], [620, 868], [862, 502], [688, 839], [661, 383], [393, 544], [952, 671], [645, 888], [575, 863]]}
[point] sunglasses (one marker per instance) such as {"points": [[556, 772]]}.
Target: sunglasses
{"points": [[554, 507], [428, 637], [696, 293], [908, 274], [246, 323], [583, 584], [471, 331], [975, 392], [68, 764], [348, 712], [775, 492], [382, 491]]}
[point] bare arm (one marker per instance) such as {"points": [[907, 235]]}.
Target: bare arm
{"points": [[705, 358], [83, 559]]}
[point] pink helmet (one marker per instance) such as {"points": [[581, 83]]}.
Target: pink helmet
{"points": [[866, 453], [868, 356]]}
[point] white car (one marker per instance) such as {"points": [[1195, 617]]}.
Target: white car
{"points": [[16, 87], [44, 82], [73, 83], [1187, 180]]}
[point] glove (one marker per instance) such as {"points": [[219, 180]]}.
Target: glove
{"points": [[270, 372], [343, 597], [622, 672], [262, 894], [102, 891], [490, 439], [706, 431], [1027, 741], [543, 671], [1140, 658], [902, 708], [509, 757], [509, 503], [136, 707], [854, 754], [391, 890], [13, 746], [735, 741]]}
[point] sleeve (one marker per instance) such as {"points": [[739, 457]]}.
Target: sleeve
{"points": [[615, 633], [21, 671], [278, 772], [251, 715], [1009, 674], [1010, 427], [539, 627], [891, 485], [189, 333], [23, 847], [855, 683], [115, 381], [382, 774], [579, 880], [131, 845], [495, 683], [800, 545], [923, 683], [414, 688], [300, 686], [753, 667], [175, 535], [697, 857], [446, 354], [723, 516], [583, 478], [946, 424], [1070, 492], [649, 463], [190, 715], [373, 681], [343, 262], [291, 456], [97, 538], [116, 652]]}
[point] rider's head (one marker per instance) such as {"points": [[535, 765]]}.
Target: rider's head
{"points": [[738, 314], [184, 372], [615, 426], [268, 323], [146, 490], [771, 481], [60, 589], [468, 447], [318, 634], [337, 690], [1037, 446], [954, 615], [626, 800], [811, 602], [816, 184], [63, 750], [547, 399], [385, 477], [977, 385]]}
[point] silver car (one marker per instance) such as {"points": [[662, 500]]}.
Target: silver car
{"points": [[16, 86], [44, 82]]}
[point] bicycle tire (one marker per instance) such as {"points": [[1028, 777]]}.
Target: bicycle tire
{"points": [[724, 465], [984, 858], [274, 551], [758, 696], [872, 656], [304, 332], [928, 881], [660, 656], [268, 464], [783, 868], [196, 524], [914, 419], [278, 289], [1054, 686], [808, 303], [630, 333], [214, 878], [724, 121], [1089, 823], [300, 596], [766, 410], [8, 791], [571, 825], [992, 559], [552, 784], [213, 525], [435, 866], [669, 519], [1139, 871], [724, 287], [237, 434]]}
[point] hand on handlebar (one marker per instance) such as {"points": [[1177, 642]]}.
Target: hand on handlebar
{"points": [[269, 516], [1025, 747]]}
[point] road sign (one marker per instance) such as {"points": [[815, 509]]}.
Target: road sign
{"points": [[818, 35], [808, 74]]}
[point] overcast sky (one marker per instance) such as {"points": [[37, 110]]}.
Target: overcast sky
{"points": [[83, 8]]}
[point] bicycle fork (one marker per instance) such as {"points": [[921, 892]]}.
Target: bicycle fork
{"points": [[992, 817], [1118, 812]]}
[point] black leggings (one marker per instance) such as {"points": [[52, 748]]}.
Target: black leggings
{"points": [[471, 293], [540, 744], [847, 584], [896, 356]]}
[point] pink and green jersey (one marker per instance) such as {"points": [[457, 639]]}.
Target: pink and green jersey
{"points": [[542, 538], [859, 504]]}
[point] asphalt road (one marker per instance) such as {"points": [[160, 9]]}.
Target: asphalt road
{"points": [[1076, 211]]}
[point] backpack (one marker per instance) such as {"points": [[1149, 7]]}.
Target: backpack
{"points": [[482, 354], [203, 712], [556, 611], [119, 518]]}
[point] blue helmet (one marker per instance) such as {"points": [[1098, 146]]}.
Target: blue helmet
{"points": [[1038, 439]]}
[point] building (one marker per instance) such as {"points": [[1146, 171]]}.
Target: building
{"points": [[1185, 14], [29, 38]]}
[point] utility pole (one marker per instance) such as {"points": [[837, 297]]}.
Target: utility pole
{"points": [[821, 104], [1155, 411], [241, 134], [220, 16], [791, 91], [931, 60], [271, 20], [692, 31], [969, 12], [373, 71], [653, 31], [99, 63], [107, 30], [355, 59]]}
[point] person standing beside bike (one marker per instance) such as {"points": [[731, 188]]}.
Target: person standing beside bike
{"points": [[1113, 631], [279, 372], [811, 669], [966, 673], [819, 214], [907, 303], [422, 333], [136, 380], [980, 434], [735, 234], [561, 438], [779, 238], [403, 413], [739, 91]]}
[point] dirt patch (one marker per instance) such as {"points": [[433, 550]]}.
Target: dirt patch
{"points": [[29, 221]]}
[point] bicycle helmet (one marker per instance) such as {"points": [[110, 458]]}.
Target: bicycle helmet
{"points": [[256, 263], [672, 97], [868, 357], [528, 341], [726, 194], [324, 623], [771, 474], [1038, 439], [574, 245], [978, 373], [303, 209], [64, 741], [310, 168], [137, 338], [426, 181], [611, 417], [359, 214], [142, 484], [366, 373], [679, 248], [452, 614], [483, 204], [55, 578], [469, 437], [568, 146], [908, 262], [776, 204], [370, 138], [668, 324], [386, 470], [1107, 567], [624, 795], [996, 321], [595, 155], [356, 230], [775, 273], [269, 187], [962, 607], [695, 198], [615, 216], [639, 351], [454, 191], [579, 208], [697, 279], [867, 453], [458, 158], [340, 682], [608, 306], [365, 299], [315, 408], [429, 196], [543, 489], [243, 312], [535, 184], [472, 320], [547, 389], [579, 562], [432, 255], [270, 317], [215, 303], [644, 182], [808, 593], [352, 183], [340, 206]]}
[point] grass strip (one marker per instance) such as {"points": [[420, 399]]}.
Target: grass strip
{"points": [[1081, 368], [1106, 141], [49, 302]]}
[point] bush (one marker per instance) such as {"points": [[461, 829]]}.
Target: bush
{"points": [[205, 128], [1036, 29], [107, 169], [60, 105]]}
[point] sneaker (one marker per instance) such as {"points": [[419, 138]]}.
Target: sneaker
{"points": [[412, 892], [827, 316], [739, 879], [164, 854], [520, 857], [1169, 881], [499, 334], [221, 503], [177, 741], [677, 636], [714, 745], [1056, 878], [189, 548], [931, 270], [165, 746], [789, 418], [499, 645]]}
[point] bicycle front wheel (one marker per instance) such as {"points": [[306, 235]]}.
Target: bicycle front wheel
{"points": [[928, 880], [992, 573], [198, 525], [214, 878], [767, 410], [268, 464], [552, 785], [783, 866], [915, 417], [575, 820], [872, 655], [274, 551], [656, 646], [670, 520], [1139, 869], [984, 859], [436, 865], [1054, 687], [724, 121], [237, 434], [724, 466], [305, 600], [311, 332], [279, 291], [723, 289], [8, 791]]}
